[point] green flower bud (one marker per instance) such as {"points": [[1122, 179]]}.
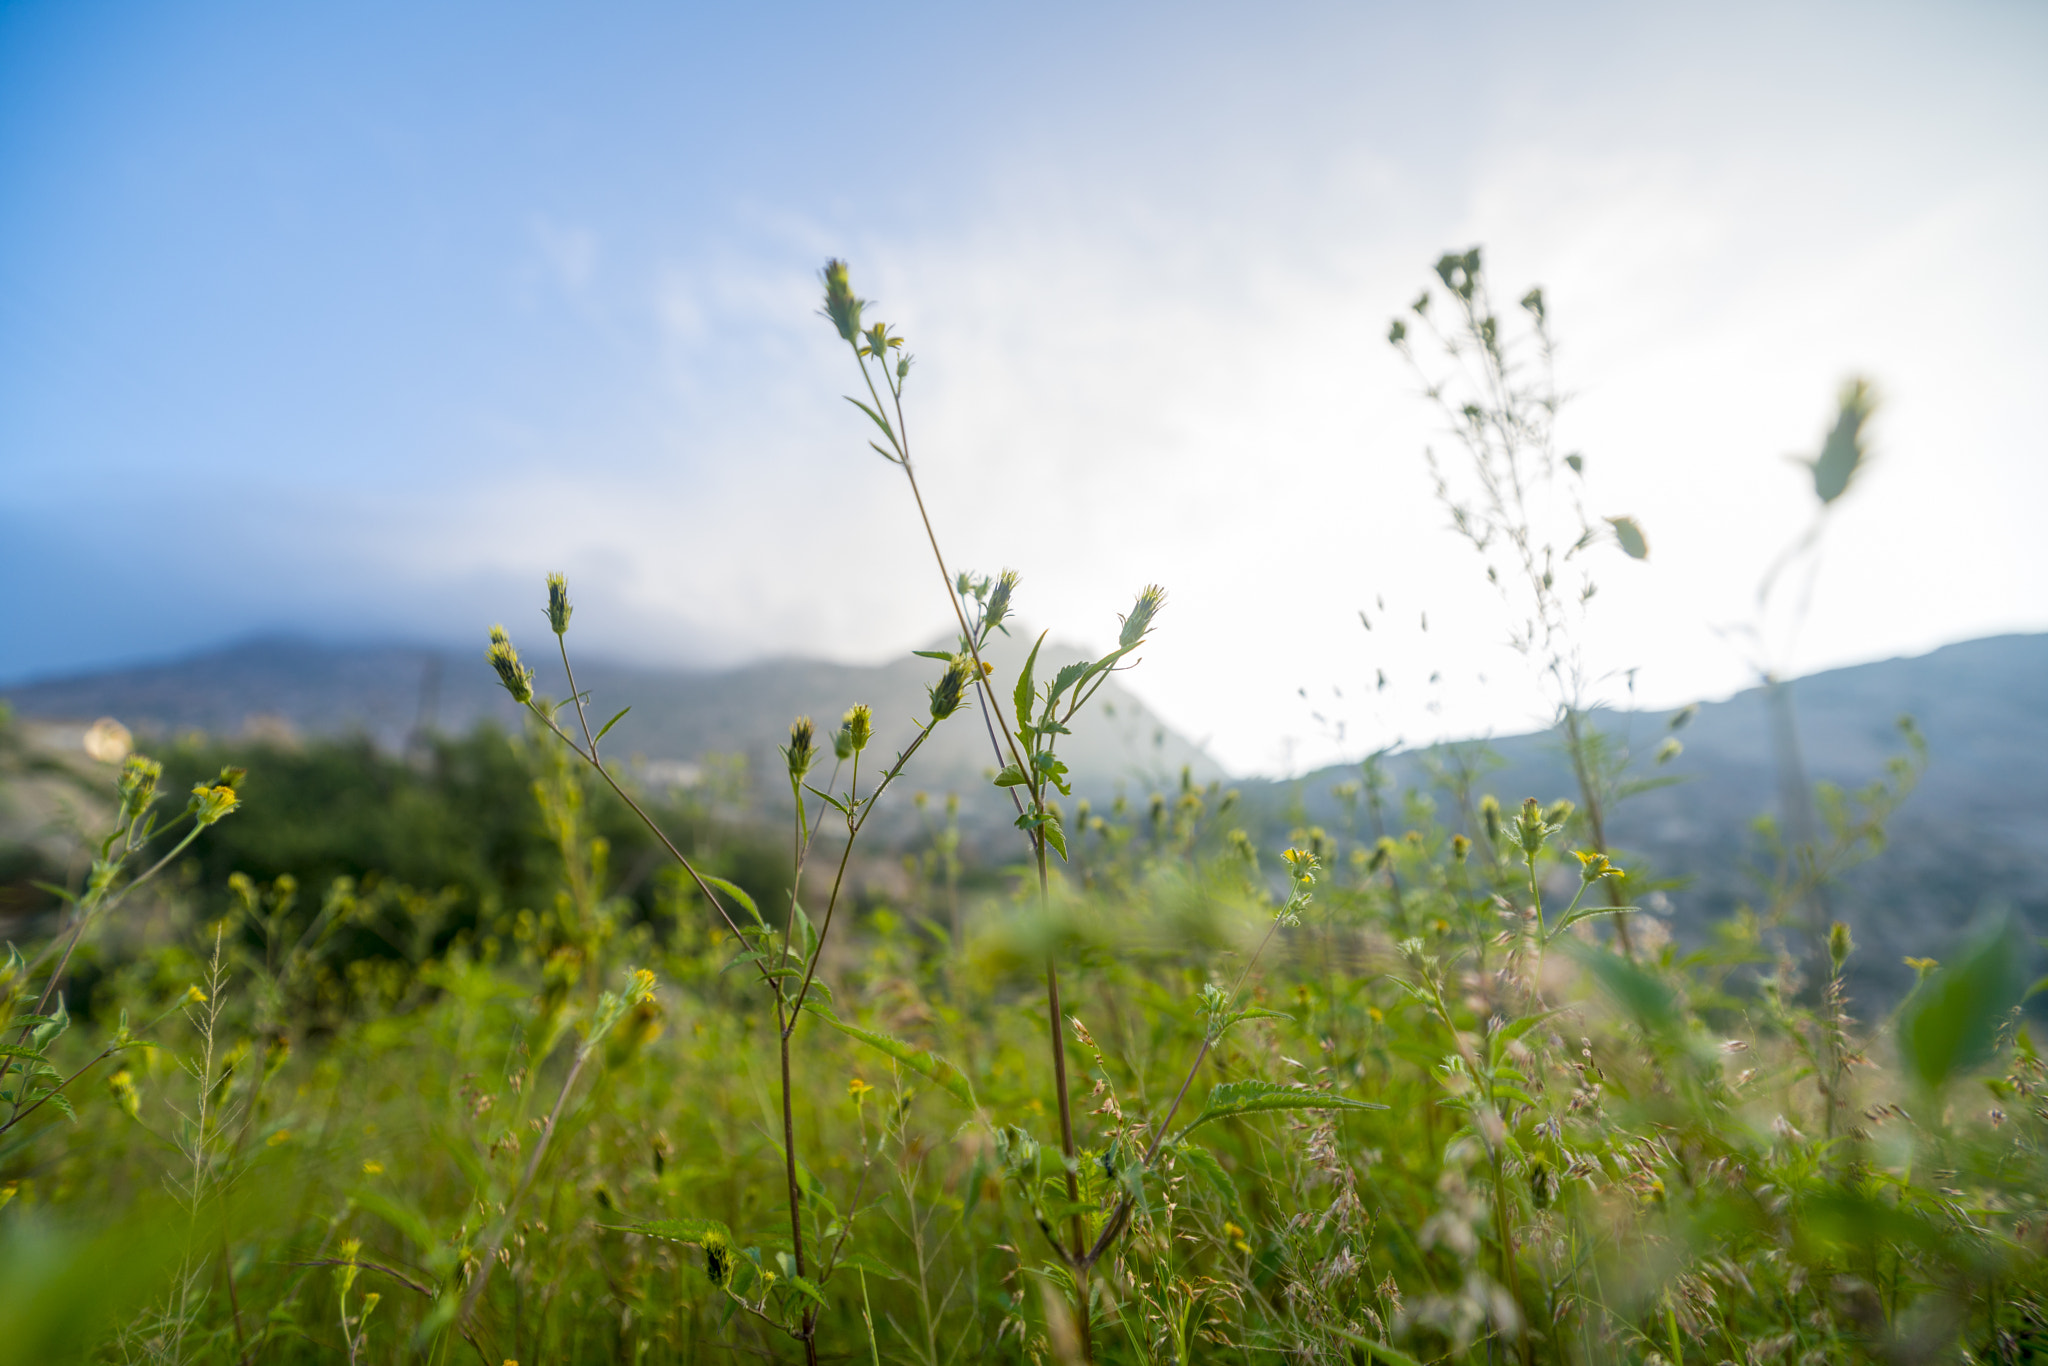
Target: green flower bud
{"points": [[1140, 619], [947, 693], [517, 678], [999, 598], [1460, 847], [1840, 946], [558, 604], [840, 304], [718, 1263], [1531, 829], [858, 726], [1489, 815], [137, 785], [801, 751]]}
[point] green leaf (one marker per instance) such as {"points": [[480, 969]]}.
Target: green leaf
{"points": [[1054, 834], [1630, 534], [1376, 1350], [922, 1061], [1950, 1024], [1011, 776], [1587, 913], [1025, 694], [698, 1231], [1257, 1097], [606, 729], [940, 655], [804, 1285], [875, 417], [8, 1050], [402, 1217], [1067, 677], [736, 894], [1645, 998], [1204, 1162], [873, 1266]]}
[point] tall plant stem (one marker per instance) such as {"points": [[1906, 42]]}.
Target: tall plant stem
{"points": [[809, 1332], [1575, 742]]}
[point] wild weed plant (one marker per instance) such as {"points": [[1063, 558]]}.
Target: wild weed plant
{"points": [[1404, 1092]]}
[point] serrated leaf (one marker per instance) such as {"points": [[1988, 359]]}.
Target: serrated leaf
{"points": [[873, 1266], [745, 901], [1055, 836], [8, 1050], [803, 1284], [1025, 693], [1230, 1098], [1212, 1171], [922, 1061], [1067, 677]]}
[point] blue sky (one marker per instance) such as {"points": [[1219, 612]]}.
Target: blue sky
{"points": [[356, 320]]}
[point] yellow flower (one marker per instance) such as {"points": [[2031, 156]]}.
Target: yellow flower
{"points": [[857, 1088], [1593, 867], [281, 1136], [194, 996], [373, 1168]]}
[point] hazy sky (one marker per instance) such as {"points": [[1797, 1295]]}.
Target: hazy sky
{"points": [[356, 320]]}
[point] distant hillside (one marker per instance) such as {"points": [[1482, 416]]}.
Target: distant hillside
{"points": [[280, 688], [1974, 834]]}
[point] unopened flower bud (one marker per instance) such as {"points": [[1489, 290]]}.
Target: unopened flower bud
{"points": [[1530, 827], [999, 598], [840, 304], [558, 604], [801, 751], [137, 785], [951, 689], [1489, 814], [1840, 946], [1140, 619], [1460, 846], [504, 657], [858, 726]]}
